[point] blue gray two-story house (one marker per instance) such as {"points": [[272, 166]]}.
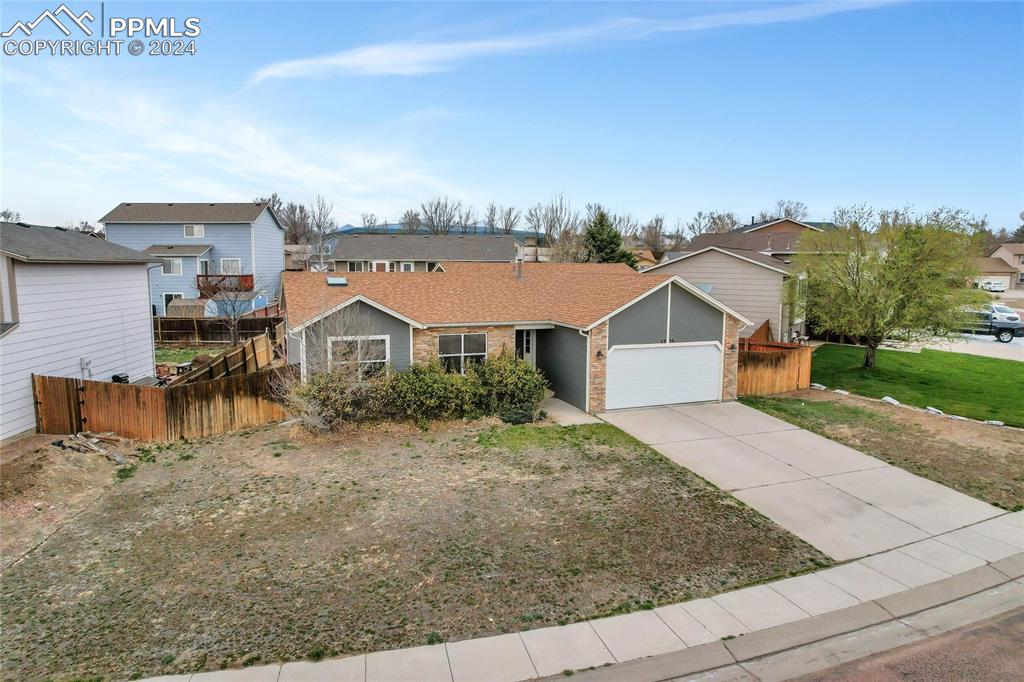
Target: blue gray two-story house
{"points": [[204, 248]]}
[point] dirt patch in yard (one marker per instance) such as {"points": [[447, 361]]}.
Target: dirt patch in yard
{"points": [[264, 546], [981, 460]]}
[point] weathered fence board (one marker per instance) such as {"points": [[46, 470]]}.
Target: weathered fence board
{"points": [[209, 330], [208, 408], [768, 368], [255, 354], [58, 404], [128, 410]]}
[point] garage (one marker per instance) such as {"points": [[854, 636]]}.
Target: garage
{"points": [[995, 279], [663, 374]]}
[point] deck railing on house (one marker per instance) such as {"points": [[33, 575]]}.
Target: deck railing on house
{"points": [[209, 284]]}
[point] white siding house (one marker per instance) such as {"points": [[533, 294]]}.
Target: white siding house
{"points": [[73, 306]]}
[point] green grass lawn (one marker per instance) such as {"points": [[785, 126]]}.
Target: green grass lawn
{"points": [[956, 383], [172, 355]]}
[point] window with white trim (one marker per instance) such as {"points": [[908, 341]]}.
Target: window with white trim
{"points": [[355, 266], [371, 354], [204, 266], [195, 231], [231, 266], [408, 267], [171, 266], [1020, 278], [458, 351]]}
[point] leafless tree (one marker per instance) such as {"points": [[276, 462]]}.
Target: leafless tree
{"points": [[441, 214], [535, 219], [370, 222], [784, 208], [508, 219], [322, 228], [411, 221], [295, 219], [274, 201], [233, 294], [652, 235], [712, 222], [467, 220], [9, 215], [491, 218]]}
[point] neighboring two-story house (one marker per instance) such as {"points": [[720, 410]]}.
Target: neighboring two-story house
{"points": [[204, 248], [71, 305], [419, 252], [1013, 254]]}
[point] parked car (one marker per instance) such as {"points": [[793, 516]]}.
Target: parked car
{"points": [[994, 287], [1001, 312], [984, 323]]}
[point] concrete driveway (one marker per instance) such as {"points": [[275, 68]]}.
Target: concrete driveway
{"points": [[842, 501]]}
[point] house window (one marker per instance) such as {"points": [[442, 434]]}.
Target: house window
{"points": [[168, 297], [355, 266], [370, 354], [204, 266], [231, 266], [195, 231], [172, 266], [458, 351], [407, 267], [1020, 278], [431, 265]]}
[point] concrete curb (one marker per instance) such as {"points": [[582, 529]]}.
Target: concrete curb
{"points": [[927, 600]]}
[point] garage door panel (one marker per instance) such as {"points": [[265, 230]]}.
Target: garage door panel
{"points": [[665, 374]]}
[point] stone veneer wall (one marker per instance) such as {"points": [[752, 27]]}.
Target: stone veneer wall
{"points": [[731, 359], [424, 341], [598, 366]]}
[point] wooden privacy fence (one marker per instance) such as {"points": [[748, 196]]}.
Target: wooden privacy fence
{"points": [[209, 330], [208, 408], [255, 354], [766, 368]]}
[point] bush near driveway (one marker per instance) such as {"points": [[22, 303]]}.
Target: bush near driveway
{"points": [[956, 383]]}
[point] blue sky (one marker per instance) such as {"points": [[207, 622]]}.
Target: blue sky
{"points": [[662, 108]]}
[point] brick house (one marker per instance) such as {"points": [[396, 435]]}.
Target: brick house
{"points": [[605, 336]]}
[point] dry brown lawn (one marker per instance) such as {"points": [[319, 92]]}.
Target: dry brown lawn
{"points": [[269, 546]]}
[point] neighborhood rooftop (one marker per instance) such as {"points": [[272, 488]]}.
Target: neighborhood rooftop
{"points": [[430, 247], [753, 226], [571, 294], [766, 242], [748, 254], [42, 244], [245, 212]]}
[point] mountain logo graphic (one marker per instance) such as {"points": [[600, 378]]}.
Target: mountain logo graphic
{"points": [[77, 20]]}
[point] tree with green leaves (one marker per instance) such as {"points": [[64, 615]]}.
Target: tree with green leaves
{"points": [[604, 242], [890, 274]]}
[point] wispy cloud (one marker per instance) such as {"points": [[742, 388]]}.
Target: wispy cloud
{"points": [[411, 58]]}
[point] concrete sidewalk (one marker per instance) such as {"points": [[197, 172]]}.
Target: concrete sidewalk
{"points": [[843, 502]]}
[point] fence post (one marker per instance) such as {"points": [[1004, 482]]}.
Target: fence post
{"points": [[159, 331]]}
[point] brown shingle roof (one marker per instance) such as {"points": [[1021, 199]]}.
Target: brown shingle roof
{"points": [[185, 213], [575, 294], [428, 247], [765, 242], [1013, 247], [993, 265]]}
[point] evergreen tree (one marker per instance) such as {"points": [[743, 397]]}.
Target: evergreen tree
{"points": [[1018, 235], [604, 242]]}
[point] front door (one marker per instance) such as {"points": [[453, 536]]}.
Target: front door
{"points": [[526, 340], [380, 266]]}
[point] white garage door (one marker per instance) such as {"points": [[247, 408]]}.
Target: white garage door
{"points": [[663, 374], [1000, 279]]}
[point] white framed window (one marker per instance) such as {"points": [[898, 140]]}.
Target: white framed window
{"points": [[408, 267], [371, 353], [231, 266], [355, 266], [204, 266], [458, 351], [1021, 260], [171, 266], [1020, 278], [195, 231], [170, 296]]}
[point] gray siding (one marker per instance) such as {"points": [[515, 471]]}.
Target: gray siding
{"points": [[269, 248], [357, 319], [562, 356], [69, 313], [751, 290], [228, 241], [692, 319], [646, 321]]}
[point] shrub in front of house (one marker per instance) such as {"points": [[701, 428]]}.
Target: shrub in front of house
{"points": [[329, 399], [427, 391], [509, 382]]}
